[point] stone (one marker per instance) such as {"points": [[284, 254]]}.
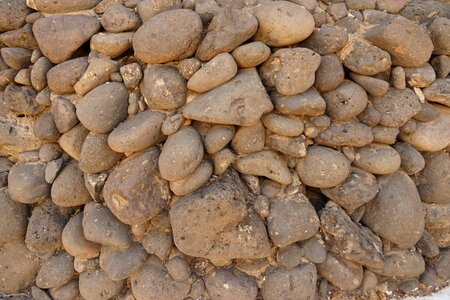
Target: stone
{"points": [[21, 100], [377, 159], [131, 74], [374, 86], [286, 126], [264, 163], [13, 14], [64, 114], [330, 73], [45, 128], [439, 30], [223, 160], [342, 273], [291, 71], [188, 66], [194, 181], [148, 8], [278, 23], [26, 183], [111, 44], [119, 264], [178, 267], [75, 243], [38, 75], [95, 146], [67, 291], [59, 36], [16, 58], [56, 271], [62, 77], [214, 73], [101, 226], [323, 167], [13, 218], [249, 139], [438, 91], [309, 103], [293, 146], [420, 77], [327, 39], [163, 87], [96, 284], [218, 137], [291, 219], [433, 181], [408, 44], [241, 101], [60, 6], [98, 72], [68, 189], [23, 77], [118, 18], [441, 65], [21, 38], [359, 188], [72, 141], [412, 161], [314, 249], [135, 191], [103, 108], [172, 124], [401, 263], [397, 192], [427, 245], [223, 284], [158, 243], [250, 55], [174, 35]]}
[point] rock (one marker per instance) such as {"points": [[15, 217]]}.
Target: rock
{"points": [[218, 137], [119, 264], [118, 18], [327, 39], [436, 216], [439, 31], [223, 160], [45, 228], [427, 245], [329, 74], [132, 75], [26, 183], [98, 72], [39, 72], [135, 192], [95, 146], [353, 134], [345, 102], [342, 273], [294, 147], [149, 8], [158, 243], [111, 44], [396, 107], [249, 139], [153, 282], [228, 29], [104, 107], [420, 77], [433, 135], [62, 78], [163, 87], [72, 141], [60, 6], [52, 170], [359, 188], [172, 124], [250, 55], [214, 73], [441, 65], [68, 188], [59, 36], [188, 66], [223, 284], [193, 181], [408, 43], [39, 294], [278, 23], [323, 167], [16, 58], [178, 268], [364, 58], [412, 161], [23, 77], [374, 86], [45, 127], [291, 219], [68, 291], [388, 135], [101, 226], [264, 163], [21, 100], [64, 114], [396, 193], [360, 5], [13, 216], [389, 6], [174, 35], [297, 283], [438, 91], [290, 71], [241, 101], [13, 14], [348, 240], [405, 263], [261, 206], [18, 267], [56, 271], [309, 103], [282, 125], [206, 223], [377, 159], [433, 181], [96, 284], [314, 249], [75, 243], [337, 10]]}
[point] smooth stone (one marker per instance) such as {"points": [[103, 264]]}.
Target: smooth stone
{"points": [[61, 6], [26, 183], [14, 218], [95, 146], [62, 77], [309, 103], [68, 188], [56, 271], [352, 134], [250, 55], [72, 141], [377, 159], [111, 44], [193, 181], [75, 243], [64, 114]]}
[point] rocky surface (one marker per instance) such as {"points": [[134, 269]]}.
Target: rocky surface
{"points": [[213, 149]]}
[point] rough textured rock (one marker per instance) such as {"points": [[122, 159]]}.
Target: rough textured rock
{"points": [[433, 181], [13, 219], [95, 145], [96, 284], [341, 273], [26, 183], [13, 14], [223, 284], [121, 263]]}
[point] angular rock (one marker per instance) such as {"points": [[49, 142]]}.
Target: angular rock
{"points": [[59, 36], [438, 91], [98, 72], [135, 192], [68, 188], [293, 146], [241, 101], [26, 183]]}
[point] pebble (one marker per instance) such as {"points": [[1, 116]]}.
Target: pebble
{"points": [[158, 243], [223, 160], [56, 271], [67, 291], [178, 268], [342, 273], [132, 75], [172, 124], [13, 15], [439, 30], [193, 181], [72, 141], [314, 249], [64, 114], [68, 188], [438, 92], [47, 6], [223, 283], [119, 264], [52, 170], [218, 137], [346, 101], [62, 77], [38, 73], [96, 284], [283, 125], [412, 160], [330, 73], [374, 86], [74, 241], [118, 18], [95, 145], [309, 103], [251, 55], [214, 73], [147, 8], [111, 44], [26, 183], [327, 39], [249, 139], [45, 128], [188, 66], [16, 58], [98, 72], [432, 181]]}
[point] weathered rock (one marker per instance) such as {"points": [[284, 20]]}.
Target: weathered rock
{"points": [[374, 86], [420, 77], [68, 291], [98, 72], [397, 194], [250, 55], [352, 134], [438, 91], [45, 127], [249, 139], [13, 218], [228, 29], [314, 249], [218, 137], [95, 146], [323, 167], [427, 245], [121, 263], [118, 18], [174, 35], [377, 159], [433, 183], [293, 146], [412, 161], [16, 58], [60, 6], [158, 243], [309, 103], [68, 188], [404, 263], [13, 14], [111, 44], [163, 87], [278, 23], [135, 192], [291, 219], [26, 183], [223, 284], [96, 284], [56, 271], [72, 141], [21, 100], [21, 38], [290, 71], [62, 77], [327, 39], [342, 273], [104, 107], [74, 241], [64, 114], [59, 36], [52, 170], [240, 101], [439, 30]]}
